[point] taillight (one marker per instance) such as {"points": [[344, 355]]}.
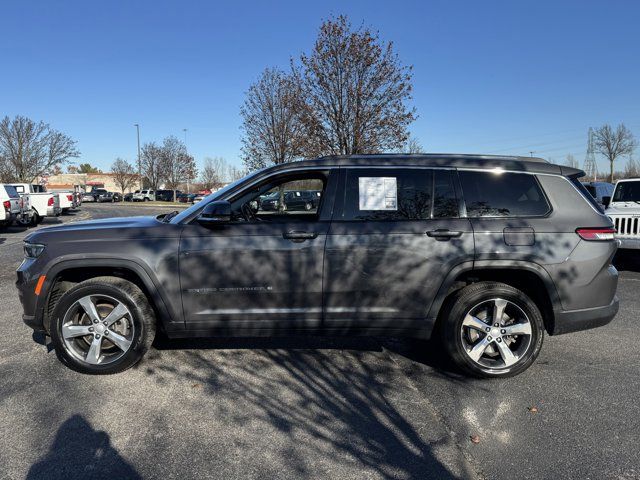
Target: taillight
{"points": [[596, 234], [70, 198], [50, 202], [7, 205]]}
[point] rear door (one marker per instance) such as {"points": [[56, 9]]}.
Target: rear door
{"points": [[390, 247]]}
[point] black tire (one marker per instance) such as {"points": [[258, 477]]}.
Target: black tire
{"points": [[456, 308], [39, 219], [123, 291]]}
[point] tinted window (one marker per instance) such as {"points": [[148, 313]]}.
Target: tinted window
{"points": [[388, 194], [13, 193], [495, 194], [445, 203]]}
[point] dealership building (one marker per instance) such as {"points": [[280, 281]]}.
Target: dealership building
{"points": [[85, 182]]}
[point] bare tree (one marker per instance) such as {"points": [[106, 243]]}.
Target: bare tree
{"points": [[571, 162], [354, 90], [124, 174], [234, 173], [152, 165], [271, 126], [213, 172], [176, 165], [632, 168], [613, 143], [29, 149], [413, 146]]}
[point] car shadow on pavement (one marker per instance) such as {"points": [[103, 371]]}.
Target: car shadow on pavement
{"points": [[78, 452], [627, 260], [350, 407]]}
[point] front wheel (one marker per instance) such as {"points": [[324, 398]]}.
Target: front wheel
{"points": [[102, 326], [491, 329]]}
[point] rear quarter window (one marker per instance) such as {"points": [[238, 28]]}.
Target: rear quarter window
{"points": [[11, 191], [503, 194]]}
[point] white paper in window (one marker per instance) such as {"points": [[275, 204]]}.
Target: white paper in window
{"points": [[378, 193]]}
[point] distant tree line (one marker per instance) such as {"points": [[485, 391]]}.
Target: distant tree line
{"points": [[349, 95]]}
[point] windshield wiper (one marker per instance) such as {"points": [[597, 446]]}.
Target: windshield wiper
{"points": [[167, 218]]}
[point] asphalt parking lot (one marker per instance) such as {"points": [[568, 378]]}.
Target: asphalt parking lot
{"points": [[317, 408]]}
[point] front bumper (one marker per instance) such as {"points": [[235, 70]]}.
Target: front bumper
{"points": [[568, 321], [629, 243]]}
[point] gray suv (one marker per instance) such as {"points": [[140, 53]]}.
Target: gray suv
{"points": [[484, 254]]}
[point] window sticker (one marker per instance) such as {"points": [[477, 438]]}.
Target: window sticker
{"points": [[378, 193]]}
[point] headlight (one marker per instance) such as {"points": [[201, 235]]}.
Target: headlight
{"points": [[33, 250]]}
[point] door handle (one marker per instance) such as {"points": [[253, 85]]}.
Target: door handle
{"points": [[298, 236], [443, 234]]}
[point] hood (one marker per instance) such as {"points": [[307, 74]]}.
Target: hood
{"points": [[623, 208], [126, 227]]}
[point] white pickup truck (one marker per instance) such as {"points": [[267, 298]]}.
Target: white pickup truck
{"points": [[43, 203], [66, 198], [11, 208], [624, 210]]}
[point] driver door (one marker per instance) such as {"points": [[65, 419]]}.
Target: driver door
{"points": [[261, 273]]}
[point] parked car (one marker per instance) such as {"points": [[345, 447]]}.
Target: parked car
{"points": [[128, 197], [623, 207], [27, 217], [198, 198], [11, 205], [166, 195], [486, 253], [65, 199], [599, 190], [43, 203], [293, 200], [186, 197], [110, 197], [144, 196]]}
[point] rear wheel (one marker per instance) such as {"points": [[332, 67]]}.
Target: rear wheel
{"points": [[103, 325], [491, 329]]}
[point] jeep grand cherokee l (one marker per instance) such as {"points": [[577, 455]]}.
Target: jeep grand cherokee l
{"points": [[484, 254]]}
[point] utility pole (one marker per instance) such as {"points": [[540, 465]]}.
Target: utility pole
{"points": [[187, 151], [590, 166], [139, 162]]}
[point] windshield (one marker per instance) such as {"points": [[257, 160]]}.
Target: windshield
{"points": [[212, 196], [627, 192]]}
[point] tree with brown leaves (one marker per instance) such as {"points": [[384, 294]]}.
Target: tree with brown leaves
{"points": [[354, 92]]}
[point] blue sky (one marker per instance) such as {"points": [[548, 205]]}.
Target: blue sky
{"points": [[505, 77]]}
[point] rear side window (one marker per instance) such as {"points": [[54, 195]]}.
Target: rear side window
{"points": [[388, 194], [502, 194], [585, 193], [11, 191]]}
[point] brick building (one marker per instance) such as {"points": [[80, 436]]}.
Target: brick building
{"points": [[85, 181]]}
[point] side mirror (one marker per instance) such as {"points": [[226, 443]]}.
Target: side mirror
{"points": [[606, 201], [215, 213]]}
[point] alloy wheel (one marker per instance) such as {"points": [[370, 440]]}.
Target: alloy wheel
{"points": [[98, 329], [496, 334]]}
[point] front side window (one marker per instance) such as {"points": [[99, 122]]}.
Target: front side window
{"points": [[387, 194], [502, 194], [287, 199]]}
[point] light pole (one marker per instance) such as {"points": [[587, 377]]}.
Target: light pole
{"points": [[187, 151], [139, 163]]}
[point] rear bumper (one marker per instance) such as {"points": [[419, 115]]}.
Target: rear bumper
{"points": [[629, 243], [575, 320]]}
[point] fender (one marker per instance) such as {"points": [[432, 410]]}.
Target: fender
{"points": [[169, 318], [483, 265]]}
